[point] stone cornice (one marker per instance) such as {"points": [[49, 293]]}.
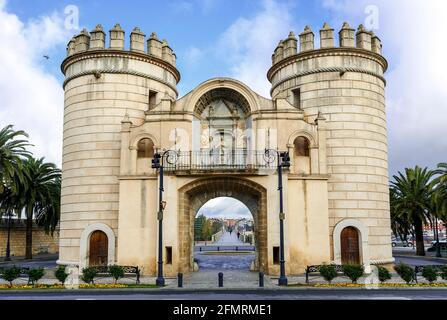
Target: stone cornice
{"points": [[294, 176], [327, 52], [341, 70], [105, 53], [138, 177], [113, 71]]}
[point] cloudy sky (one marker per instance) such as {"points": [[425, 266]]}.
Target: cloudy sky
{"points": [[235, 39], [224, 207]]}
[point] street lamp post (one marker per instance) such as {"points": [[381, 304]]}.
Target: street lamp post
{"points": [[169, 156], [283, 161], [8, 242], [160, 281], [438, 247]]}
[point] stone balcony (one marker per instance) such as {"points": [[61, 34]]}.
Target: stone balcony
{"points": [[219, 160]]}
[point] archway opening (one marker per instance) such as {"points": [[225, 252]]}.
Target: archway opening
{"points": [[198, 192], [224, 237], [98, 249]]}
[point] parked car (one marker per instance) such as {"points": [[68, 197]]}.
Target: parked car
{"points": [[440, 241], [442, 244], [401, 243]]}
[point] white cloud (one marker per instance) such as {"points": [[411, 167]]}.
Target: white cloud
{"points": [[182, 7], [32, 99], [247, 45], [413, 36], [192, 55], [193, 6], [224, 207]]}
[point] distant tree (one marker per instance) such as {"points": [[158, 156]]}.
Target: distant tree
{"points": [[216, 226], [198, 223], [206, 230]]}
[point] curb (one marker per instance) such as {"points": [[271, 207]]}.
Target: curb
{"points": [[173, 291]]}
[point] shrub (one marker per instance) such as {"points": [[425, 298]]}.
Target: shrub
{"points": [[328, 272], [430, 273], [35, 275], [89, 274], [384, 274], [353, 271], [444, 272], [117, 272], [61, 274], [10, 274], [405, 272]]}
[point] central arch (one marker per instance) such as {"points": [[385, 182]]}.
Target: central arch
{"points": [[195, 194], [224, 86]]}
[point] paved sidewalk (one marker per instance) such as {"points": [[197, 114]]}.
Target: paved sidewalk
{"points": [[230, 239]]}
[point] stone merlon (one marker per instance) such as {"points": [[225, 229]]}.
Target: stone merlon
{"points": [[96, 40]]}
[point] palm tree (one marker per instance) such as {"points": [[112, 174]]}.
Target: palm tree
{"points": [[48, 213], [440, 197], [8, 206], [39, 196], [12, 151], [400, 225], [413, 192]]}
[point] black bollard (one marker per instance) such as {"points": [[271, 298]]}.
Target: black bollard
{"points": [[261, 279], [220, 275], [180, 280]]}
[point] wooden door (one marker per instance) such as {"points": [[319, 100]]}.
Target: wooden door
{"points": [[98, 253], [350, 249]]}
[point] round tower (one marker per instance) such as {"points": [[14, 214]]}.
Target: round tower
{"points": [[103, 85], [345, 84]]}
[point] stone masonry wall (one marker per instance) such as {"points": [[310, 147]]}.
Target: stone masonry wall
{"points": [[42, 243]]}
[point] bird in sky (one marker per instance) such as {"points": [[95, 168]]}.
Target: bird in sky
{"points": [[46, 57]]}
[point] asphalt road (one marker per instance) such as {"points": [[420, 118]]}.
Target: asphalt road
{"points": [[224, 261], [302, 294]]}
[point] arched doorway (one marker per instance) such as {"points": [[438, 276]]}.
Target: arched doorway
{"points": [[350, 246], [98, 249], [195, 194], [224, 236]]}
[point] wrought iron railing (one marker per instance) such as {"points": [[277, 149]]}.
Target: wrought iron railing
{"points": [[224, 248], [214, 159]]}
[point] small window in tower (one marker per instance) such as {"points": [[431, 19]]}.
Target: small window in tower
{"points": [[296, 98], [168, 255], [301, 146], [152, 99], [145, 148], [275, 255]]}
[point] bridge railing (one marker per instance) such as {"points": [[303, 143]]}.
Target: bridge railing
{"points": [[223, 248]]}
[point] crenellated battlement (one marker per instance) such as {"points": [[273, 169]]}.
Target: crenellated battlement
{"points": [[96, 40], [348, 38]]}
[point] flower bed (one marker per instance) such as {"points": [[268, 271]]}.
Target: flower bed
{"points": [[381, 285], [81, 286]]}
